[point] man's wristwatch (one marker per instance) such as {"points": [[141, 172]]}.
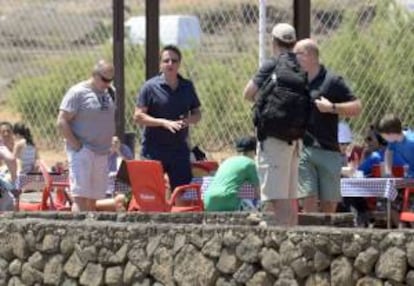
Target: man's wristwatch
{"points": [[333, 107]]}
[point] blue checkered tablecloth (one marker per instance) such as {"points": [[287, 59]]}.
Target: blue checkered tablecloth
{"points": [[374, 187], [247, 190], [116, 186], [36, 181], [249, 200]]}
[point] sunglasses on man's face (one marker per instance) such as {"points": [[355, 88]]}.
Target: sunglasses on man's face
{"points": [[104, 79]]}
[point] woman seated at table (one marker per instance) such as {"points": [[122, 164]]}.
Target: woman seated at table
{"points": [[223, 192], [25, 152], [7, 200], [119, 152], [24, 149]]}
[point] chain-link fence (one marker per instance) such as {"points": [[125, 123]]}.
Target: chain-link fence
{"points": [[47, 45]]}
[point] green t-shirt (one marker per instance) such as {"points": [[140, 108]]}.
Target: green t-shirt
{"points": [[222, 193]]}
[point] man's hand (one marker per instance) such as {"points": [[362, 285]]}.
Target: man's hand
{"points": [[174, 126], [324, 105]]}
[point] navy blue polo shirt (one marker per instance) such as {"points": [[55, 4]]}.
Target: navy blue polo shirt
{"points": [[324, 126], [163, 102]]}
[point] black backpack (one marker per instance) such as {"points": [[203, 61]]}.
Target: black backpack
{"points": [[283, 106]]}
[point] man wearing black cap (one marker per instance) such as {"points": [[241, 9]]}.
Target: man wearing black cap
{"points": [[223, 192]]}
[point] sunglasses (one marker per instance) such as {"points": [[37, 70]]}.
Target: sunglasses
{"points": [[104, 79], [174, 61]]}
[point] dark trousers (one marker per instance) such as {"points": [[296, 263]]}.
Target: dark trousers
{"points": [[359, 204], [176, 164]]}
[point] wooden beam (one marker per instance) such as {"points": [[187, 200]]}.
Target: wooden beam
{"points": [[152, 43], [118, 60], [301, 18]]}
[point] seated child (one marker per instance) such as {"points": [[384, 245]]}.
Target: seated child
{"points": [[222, 193], [119, 152], [376, 146], [399, 141]]}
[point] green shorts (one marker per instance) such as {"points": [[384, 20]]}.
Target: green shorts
{"points": [[320, 174]]}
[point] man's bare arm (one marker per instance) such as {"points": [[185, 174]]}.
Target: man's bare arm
{"points": [[63, 121], [250, 91]]}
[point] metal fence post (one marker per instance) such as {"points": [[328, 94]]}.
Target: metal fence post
{"points": [[301, 18], [152, 42], [118, 51]]}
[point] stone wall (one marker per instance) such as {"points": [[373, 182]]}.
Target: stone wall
{"points": [[191, 249]]}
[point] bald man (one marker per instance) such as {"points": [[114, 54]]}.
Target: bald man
{"points": [[320, 161], [87, 122]]}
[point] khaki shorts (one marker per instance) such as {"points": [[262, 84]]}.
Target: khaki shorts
{"points": [[277, 163], [88, 174], [320, 174]]}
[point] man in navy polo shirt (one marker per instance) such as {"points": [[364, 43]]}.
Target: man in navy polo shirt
{"points": [[320, 161], [166, 105]]}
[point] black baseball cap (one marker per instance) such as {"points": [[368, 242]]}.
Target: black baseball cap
{"points": [[246, 144]]}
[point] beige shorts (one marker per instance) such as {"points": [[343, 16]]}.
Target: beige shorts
{"points": [[88, 174], [277, 163]]}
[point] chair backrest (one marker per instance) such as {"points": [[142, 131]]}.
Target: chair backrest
{"points": [[376, 171], [46, 195], [147, 186], [397, 171], [204, 168]]}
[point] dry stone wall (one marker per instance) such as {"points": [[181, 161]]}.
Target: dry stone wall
{"points": [[118, 249]]}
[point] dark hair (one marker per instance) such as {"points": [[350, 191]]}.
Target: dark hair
{"points": [[8, 124], [246, 144], [390, 123], [172, 48], [377, 136], [22, 130], [283, 44]]}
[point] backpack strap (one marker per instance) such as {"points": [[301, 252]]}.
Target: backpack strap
{"points": [[309, 139], [111, 92], [266, 87], [323, 88]]}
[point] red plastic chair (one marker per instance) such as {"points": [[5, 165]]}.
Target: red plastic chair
{"points": [[397, 171], [407, 215], [63, 201], [149, 189], [204, 168]]}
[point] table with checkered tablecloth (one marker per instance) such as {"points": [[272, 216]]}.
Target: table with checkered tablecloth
{"points": [[116, 186], [375, 187], [247, 193], [35, 181]]}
